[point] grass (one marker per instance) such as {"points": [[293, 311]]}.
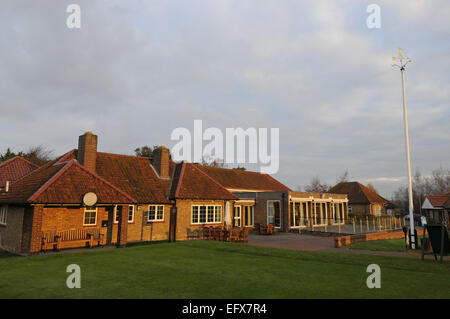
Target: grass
{"points": [[382, 245], [205, 269]]}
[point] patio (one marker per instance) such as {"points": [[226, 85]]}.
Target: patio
{"points": [[219, 233]]}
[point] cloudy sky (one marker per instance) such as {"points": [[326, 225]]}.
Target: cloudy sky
{"points": [[136, 70]]}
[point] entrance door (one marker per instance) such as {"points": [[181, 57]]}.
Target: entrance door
{"points": [[274, 213], [248, 216]]}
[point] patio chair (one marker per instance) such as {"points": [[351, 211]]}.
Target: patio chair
{"points": [[218, 233], [191, 234], [440, 242], [234, 234], [243, 235], [206, 233], [266, 230]]}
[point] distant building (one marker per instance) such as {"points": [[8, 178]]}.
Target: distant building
{"points": [[436, 208], [362, 201], [14, 169]]}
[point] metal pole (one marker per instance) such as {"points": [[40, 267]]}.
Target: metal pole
{"points": [[408, 159]]}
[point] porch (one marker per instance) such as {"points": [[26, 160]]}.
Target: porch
{"points": [[320, 212]]}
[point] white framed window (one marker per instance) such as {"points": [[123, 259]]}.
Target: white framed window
{"points": [[274, 213], [206, 214], [155, 213], [116, 216], [90, 216], [3, 214], [237, 216], [130, 213]]}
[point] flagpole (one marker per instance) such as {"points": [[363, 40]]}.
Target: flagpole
{"points": [[403, 62]]}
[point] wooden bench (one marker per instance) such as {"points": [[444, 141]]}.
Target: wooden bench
{"points": [[71, 238]]}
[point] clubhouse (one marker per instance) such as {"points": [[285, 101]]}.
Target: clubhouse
{"points": [[90, 197]]}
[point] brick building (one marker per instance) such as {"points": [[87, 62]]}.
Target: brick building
{"points": [[130, 204], [362, 201], [87, 197]]}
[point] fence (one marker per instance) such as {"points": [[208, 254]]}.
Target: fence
{"points": [[353, 225]]}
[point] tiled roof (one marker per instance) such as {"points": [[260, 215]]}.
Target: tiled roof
{"points": [[64, 183], [189, 182], [358, 193], [134, 175], [15, 168], [439, 200], [245, 180], [72, 182], [21, 190]]}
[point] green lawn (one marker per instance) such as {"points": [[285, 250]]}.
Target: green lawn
{"points": [[382, 245], [219, 270]]}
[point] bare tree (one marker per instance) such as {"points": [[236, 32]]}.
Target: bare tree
{"points": [[147, 151], [343, 178], [437, 183], [316, 186], [214, 162], [38, 155]]}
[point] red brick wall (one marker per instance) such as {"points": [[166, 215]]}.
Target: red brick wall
{"points": [[342, 241]]}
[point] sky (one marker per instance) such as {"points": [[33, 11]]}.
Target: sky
{"points": [[136, 70]]}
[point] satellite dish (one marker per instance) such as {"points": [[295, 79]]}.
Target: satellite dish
{"points": [[90, 199]]}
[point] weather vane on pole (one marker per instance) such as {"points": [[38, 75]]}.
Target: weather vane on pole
{"points": [[403, 61]]}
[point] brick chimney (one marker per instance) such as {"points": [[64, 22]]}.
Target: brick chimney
{"points": [[160, 161], [87, 150]]}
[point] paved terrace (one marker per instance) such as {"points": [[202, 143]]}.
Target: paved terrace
{"points": [[323, 244]]}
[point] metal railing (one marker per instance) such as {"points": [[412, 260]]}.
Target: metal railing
{"points": [[352, 225]]}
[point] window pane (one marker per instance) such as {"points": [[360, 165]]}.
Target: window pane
{"points": [[130, 213], [194, 214], [210, 214], [202, 214], [160, 213], [151, 213], [276, 214], [218, 214], [116, 215], [89, 217]]}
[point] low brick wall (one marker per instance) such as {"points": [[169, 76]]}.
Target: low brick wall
{"points": [[343, 241]]}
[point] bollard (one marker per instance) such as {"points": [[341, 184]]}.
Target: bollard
{"points": [[353, 221], [360, 225]]}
